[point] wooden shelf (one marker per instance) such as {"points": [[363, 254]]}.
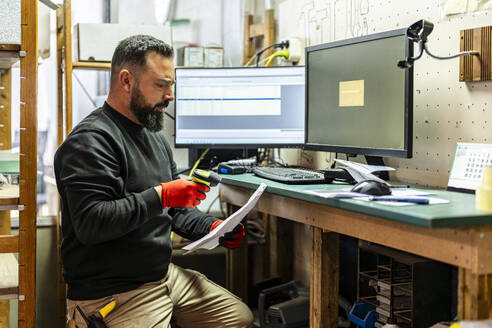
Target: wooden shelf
{"points": [[92, 65], [9, 55], [9, 243], [9, 195], [8, 293]]}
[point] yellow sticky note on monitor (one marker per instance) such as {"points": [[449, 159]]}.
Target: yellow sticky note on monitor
{"points": [[351, 93]]}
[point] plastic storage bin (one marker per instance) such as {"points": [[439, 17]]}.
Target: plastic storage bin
{"points": [[363, 315]]}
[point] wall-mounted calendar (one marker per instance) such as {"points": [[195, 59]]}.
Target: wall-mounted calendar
{"points": [[469, 161]]}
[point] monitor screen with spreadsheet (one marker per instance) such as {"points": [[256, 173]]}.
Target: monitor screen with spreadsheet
{"points": [[240, 107]]}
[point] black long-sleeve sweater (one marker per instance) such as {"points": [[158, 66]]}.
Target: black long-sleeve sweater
{"points": [[115, 234]]}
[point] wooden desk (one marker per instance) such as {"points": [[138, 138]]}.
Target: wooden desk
{"points": [[454, 233]]}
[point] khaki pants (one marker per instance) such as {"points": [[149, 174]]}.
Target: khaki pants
{"points": [[187, 295]]}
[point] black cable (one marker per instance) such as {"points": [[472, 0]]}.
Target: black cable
{"points": [[334, 162], [281, 45], [259, 53], [463, 53], [211, 204], [172, 117], [280, 163]]}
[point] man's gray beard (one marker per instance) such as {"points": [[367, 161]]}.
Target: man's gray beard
{"points": [[153, 121], [146, 115]]}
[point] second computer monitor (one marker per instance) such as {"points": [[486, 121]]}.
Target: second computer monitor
{"points": [[357, 100], [240, 107]]}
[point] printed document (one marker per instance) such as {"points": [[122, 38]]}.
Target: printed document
{"points": [[211, 240]]}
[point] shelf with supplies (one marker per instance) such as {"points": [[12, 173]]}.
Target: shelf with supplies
{"points": [[9, 55], [9, 197], [18, 279]]}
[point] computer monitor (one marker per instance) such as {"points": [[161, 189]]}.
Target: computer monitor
{"points": [[358, 101], [239, 107]]}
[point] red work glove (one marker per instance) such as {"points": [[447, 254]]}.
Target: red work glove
{"points": [[230, 239], [182, 193]]}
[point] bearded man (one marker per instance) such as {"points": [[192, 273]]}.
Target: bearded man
{"points": [[120, 199]]}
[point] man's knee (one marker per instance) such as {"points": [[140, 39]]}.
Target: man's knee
{"points": [[245, 317]]}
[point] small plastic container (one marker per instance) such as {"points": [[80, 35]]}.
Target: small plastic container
{"points": [[363, 315]]}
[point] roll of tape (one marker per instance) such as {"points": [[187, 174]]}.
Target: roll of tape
{"points": [[483, 198]]}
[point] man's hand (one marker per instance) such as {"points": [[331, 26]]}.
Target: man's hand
{"points": [[230, 239], [182, 193]]}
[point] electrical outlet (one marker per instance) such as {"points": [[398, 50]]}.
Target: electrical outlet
{"points": [[476, 68], [296, 50]]}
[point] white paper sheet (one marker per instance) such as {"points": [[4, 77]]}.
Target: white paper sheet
{"points": [[365, 168], [398, 193], [361, 172], [453, 7], [346, 193], [335, 193], [211, 240]]}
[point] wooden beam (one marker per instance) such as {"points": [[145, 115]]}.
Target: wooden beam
{"points": [[280, 248], [28, 164], [92, 65], [68, 64], [266, 250], [474, 295], [60, 40], [324, 280], [256, 30], [269, 30], [60, 136], [247, 42]]}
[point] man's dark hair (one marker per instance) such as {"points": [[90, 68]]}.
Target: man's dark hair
{"points": [[133, 51]]}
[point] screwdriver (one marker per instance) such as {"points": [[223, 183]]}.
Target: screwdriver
{"points": [[96, 321]]}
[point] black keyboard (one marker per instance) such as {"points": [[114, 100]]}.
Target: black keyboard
{"points": [[290, 175]]}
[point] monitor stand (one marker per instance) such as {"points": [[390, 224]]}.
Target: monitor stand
{"points": [[377, 160]]}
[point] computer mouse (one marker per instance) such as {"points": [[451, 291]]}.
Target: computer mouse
{"points": [[372, 187]]}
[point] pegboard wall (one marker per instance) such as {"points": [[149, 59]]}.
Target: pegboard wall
{"points": [[446, 111]]}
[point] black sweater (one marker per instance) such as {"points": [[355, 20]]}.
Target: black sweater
{"points": [[115, 234]]}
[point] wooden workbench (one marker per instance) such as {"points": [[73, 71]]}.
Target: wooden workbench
{"points": [[454, 233]]}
